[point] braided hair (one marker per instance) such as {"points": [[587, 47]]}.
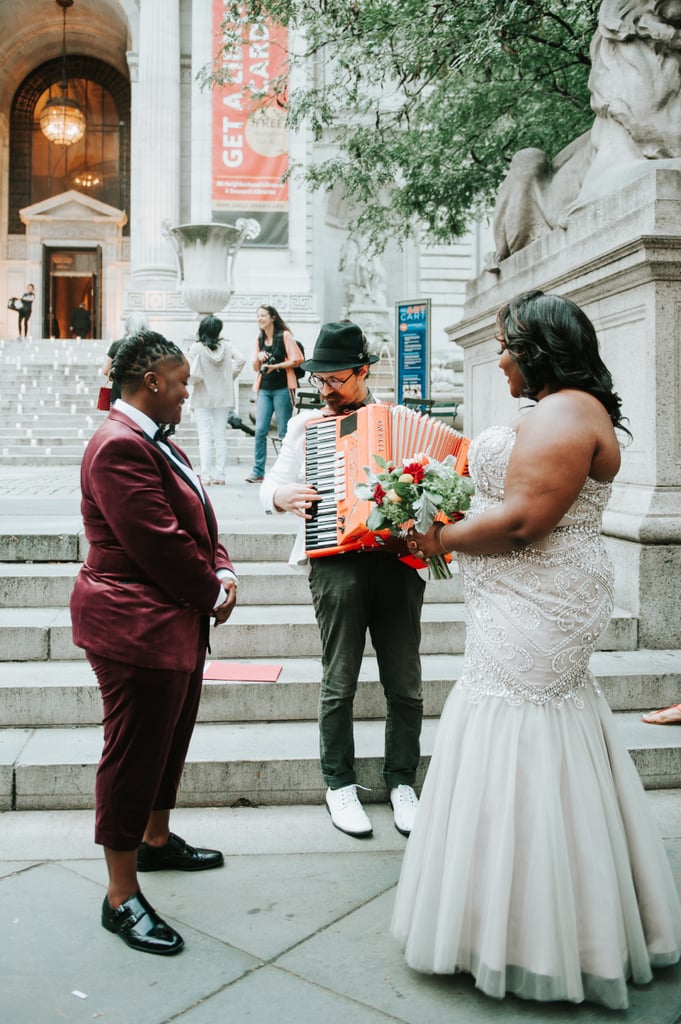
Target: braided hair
{"points": [[140, 353], [554, 344]]}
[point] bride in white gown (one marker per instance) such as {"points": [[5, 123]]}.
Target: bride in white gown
{"points": [[534, 863]]}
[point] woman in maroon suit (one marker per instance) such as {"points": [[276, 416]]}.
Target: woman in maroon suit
{"points": [[155, 574]]}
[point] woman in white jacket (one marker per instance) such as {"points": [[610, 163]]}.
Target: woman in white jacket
{"points": [[214, 365]]}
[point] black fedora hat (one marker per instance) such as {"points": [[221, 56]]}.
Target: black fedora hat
{"points": [[340, 346]]}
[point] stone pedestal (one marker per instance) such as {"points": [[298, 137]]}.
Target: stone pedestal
{"points": [[619, 259], [376, 323]]}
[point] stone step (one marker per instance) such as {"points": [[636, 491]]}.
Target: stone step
{"points": [[49, 421], [43, 391], [64, 445], [73, 430], [85, 347], [61, 539], [27, 410], [68, 451], [44, 585], [40, 634], [39, 457], [55, 385], [40, 539], [263, 763], [45, 455], [48, 694], [58, 434]]}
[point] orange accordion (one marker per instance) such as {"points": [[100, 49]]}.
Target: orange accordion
{"points": [[337, 448]]}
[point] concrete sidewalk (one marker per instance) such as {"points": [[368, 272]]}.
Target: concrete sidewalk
{"points": [[294, 929]]}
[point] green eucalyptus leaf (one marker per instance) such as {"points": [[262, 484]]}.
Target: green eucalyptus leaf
{"points": [[376, 520]]}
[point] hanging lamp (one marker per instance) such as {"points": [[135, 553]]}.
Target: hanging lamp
{"points": [[62, 120]]}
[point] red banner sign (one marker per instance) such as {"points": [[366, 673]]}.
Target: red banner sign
{"points": [[250, 137]]}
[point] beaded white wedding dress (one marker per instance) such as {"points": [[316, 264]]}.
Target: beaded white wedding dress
{"points": [[535, 863]]}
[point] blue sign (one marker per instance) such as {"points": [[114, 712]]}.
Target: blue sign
{"points": [[412, 351]]}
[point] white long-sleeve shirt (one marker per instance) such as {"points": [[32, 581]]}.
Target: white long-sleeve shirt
{"points": [[288, 468]]}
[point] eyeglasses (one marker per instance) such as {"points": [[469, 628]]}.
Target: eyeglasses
{"points": [[335, 383]]}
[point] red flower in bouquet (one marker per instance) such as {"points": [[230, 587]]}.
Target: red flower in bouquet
{"points": [[416, 494], [416, 471]]}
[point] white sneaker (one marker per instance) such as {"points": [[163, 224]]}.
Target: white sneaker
{"points": [[347, 813], [405, 804]]}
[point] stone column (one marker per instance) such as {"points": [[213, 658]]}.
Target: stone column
{"points": [[201, 146], [155, 180]]}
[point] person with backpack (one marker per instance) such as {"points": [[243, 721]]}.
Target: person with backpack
{"points": [[275, 360]]}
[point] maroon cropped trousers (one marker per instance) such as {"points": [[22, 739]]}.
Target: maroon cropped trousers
{"points": [[149, 716]]}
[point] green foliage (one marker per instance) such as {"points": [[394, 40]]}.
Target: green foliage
{"points": [[423, 102]]}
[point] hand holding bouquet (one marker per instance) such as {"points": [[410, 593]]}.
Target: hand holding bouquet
{"points": [[416, 495]]}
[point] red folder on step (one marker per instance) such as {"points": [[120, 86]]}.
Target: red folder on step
{"points": [[243, 672]]}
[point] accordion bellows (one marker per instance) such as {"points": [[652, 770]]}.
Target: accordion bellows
{"points": [[337, 448]]}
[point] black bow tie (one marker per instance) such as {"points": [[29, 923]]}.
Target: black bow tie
{"points": [[164, 432]]}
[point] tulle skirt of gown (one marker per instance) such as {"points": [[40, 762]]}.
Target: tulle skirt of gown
{"points": [[535, 863]]}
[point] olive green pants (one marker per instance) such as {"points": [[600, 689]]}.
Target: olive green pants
{"points": [[353, 593]]}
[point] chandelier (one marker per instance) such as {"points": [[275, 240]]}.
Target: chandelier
{"points": [[88, 180], [62, 121]]}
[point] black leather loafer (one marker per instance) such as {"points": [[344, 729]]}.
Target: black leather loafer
{"points": [[140, 927], [177, 855]]}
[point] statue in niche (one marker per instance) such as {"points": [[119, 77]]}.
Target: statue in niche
{"points": [[635, 86], [363, 274]]}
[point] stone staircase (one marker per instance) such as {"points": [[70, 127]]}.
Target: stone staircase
{"points": [[254, 742], [48, 399]]}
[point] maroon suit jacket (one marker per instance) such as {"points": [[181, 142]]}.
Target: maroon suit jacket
{"points": [[146, 590]]}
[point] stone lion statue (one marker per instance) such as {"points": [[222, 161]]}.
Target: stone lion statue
{"points": [[635, 86]]}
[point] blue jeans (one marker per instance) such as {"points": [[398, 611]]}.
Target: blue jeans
{"points": [[267, 403]]}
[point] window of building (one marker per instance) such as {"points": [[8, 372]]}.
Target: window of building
{"points": [[92, 165], [98, 165]]}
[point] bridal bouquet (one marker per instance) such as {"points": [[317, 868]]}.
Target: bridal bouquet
{"points": [[416, 494]]}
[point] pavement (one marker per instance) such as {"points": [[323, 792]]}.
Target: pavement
{"points": [[294, 928]]}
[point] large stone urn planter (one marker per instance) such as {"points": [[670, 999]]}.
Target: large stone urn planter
{"points": [[206, 254]]}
